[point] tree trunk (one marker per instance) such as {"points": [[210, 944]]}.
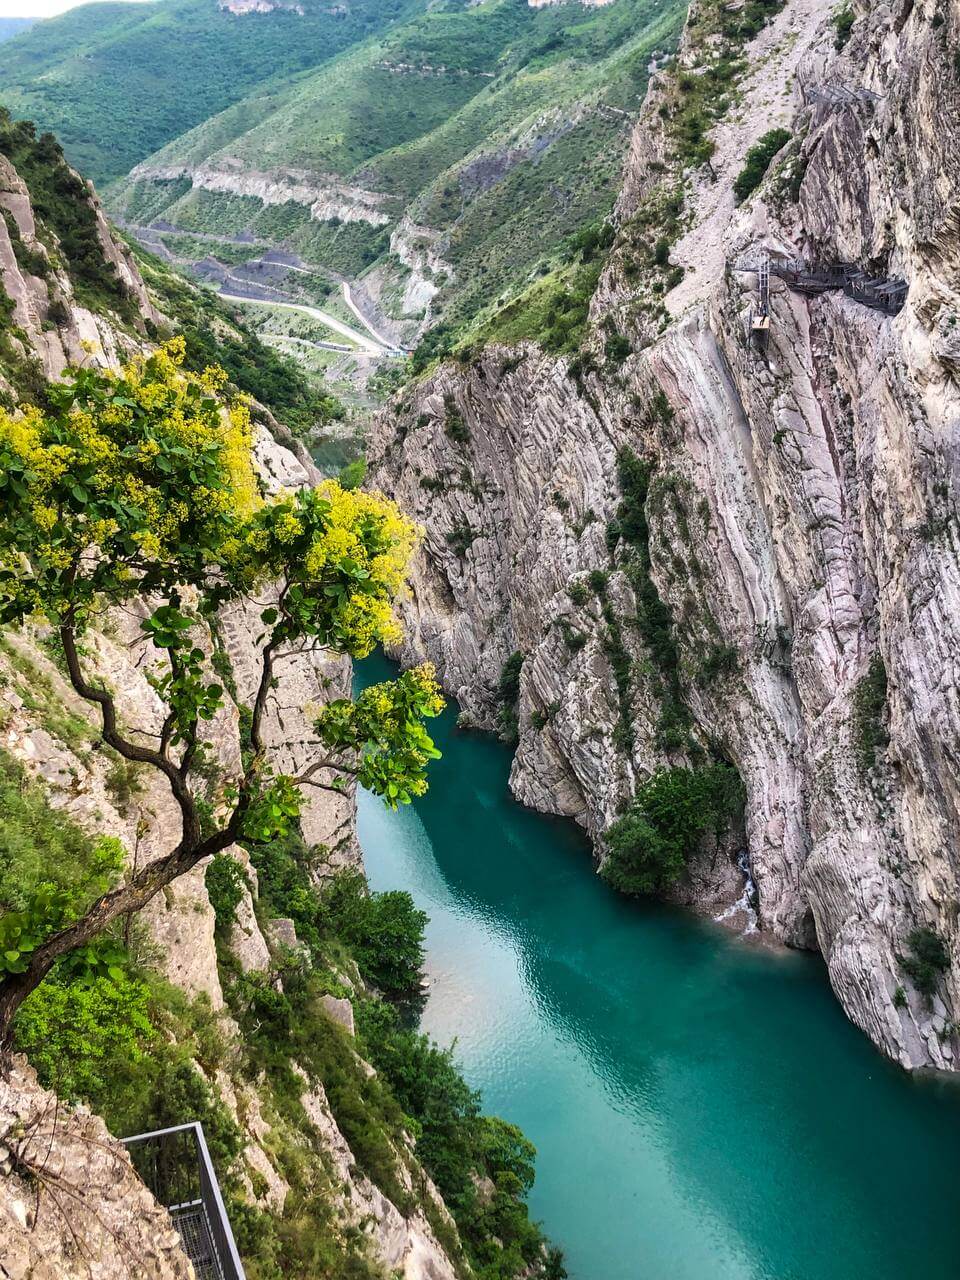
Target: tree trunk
{"points": [[128, 897]]}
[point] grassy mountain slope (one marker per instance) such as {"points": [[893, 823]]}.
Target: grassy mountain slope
{"points": [[117, 81], [497, 127]]}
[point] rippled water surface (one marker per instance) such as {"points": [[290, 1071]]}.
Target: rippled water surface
{"points": [[701, 1109]]}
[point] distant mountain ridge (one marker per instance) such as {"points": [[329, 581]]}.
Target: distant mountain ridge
{"points": [[116, 81], [453, 152], [442, 150], [10, 27]]}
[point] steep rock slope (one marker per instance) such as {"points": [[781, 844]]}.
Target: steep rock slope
{"points": [[53, 736], [71, 1205], [800, 503], [68, 287]]}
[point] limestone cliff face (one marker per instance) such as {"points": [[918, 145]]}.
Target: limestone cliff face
{"points": [[55, 329], [803, 508]]}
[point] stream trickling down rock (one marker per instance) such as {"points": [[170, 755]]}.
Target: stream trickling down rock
{"points": [[701, 1108]]}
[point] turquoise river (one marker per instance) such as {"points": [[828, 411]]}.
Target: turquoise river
{"points": [[701, 1108]]}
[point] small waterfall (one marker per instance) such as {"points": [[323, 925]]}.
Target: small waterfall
{"points": [[747, 902]]}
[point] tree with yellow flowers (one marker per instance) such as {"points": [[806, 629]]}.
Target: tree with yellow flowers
{"points": [[140, 486]]}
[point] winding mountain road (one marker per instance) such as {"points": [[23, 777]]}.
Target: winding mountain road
{"points": [[366, 343], [348, 299]]}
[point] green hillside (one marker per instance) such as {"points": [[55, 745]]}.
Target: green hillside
{"points": [[117, 81], [497, 127]]}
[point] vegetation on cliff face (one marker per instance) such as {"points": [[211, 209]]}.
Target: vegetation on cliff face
{"points": [[648, 847], [757, 161], [141, 484], [106, 1029]]}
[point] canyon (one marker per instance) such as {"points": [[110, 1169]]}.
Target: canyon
{"points": [[716, 517], [802, 509]]}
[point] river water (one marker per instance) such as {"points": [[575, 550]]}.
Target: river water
{"points": [[701, 1108]]}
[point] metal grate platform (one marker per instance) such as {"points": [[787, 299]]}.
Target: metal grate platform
{"points": [[175, 1164]]}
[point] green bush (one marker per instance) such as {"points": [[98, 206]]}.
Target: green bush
{"points": [[648, 847], [509, 686], [79, 1034], [758, 160], [384, 932], [225, 883], [842, 25], [654, 619], [617, 348], [927, 961], [508, 692], [40, 845], [461, 538], [453, 423], [436, 343], [353, 474]]}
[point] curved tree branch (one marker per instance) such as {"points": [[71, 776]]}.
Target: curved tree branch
{"points": [[129, 750], [126, 898]]}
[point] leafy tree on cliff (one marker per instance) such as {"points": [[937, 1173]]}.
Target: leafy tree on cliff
{"points": [[138, 488]]}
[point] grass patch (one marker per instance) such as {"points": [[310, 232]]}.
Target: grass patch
{"points": [[869, 709], [757, 162]]}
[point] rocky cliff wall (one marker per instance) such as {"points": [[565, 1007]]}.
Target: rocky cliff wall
{"points": [[71, 1205], [55, 736], [54, 328], [802, 508]]}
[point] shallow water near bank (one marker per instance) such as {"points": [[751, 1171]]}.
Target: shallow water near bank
{"points": [[701, 1108]]}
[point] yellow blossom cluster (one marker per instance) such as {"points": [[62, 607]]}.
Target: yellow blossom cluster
{"points": [[149, 454], [366, 537], [366, 528]]}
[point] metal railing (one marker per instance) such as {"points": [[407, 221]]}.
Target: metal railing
{"points": [[882, 293], [176, 1166]]}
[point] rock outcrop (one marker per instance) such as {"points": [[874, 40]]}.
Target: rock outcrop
{"points": [[323, 194], [802, 506], [56, 329], [72, 1207]]}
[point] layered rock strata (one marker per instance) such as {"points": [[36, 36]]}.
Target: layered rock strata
{"points": [[802, 510]]}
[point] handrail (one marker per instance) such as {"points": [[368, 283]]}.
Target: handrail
{"points": [[883, 293], [200, 1218]]}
